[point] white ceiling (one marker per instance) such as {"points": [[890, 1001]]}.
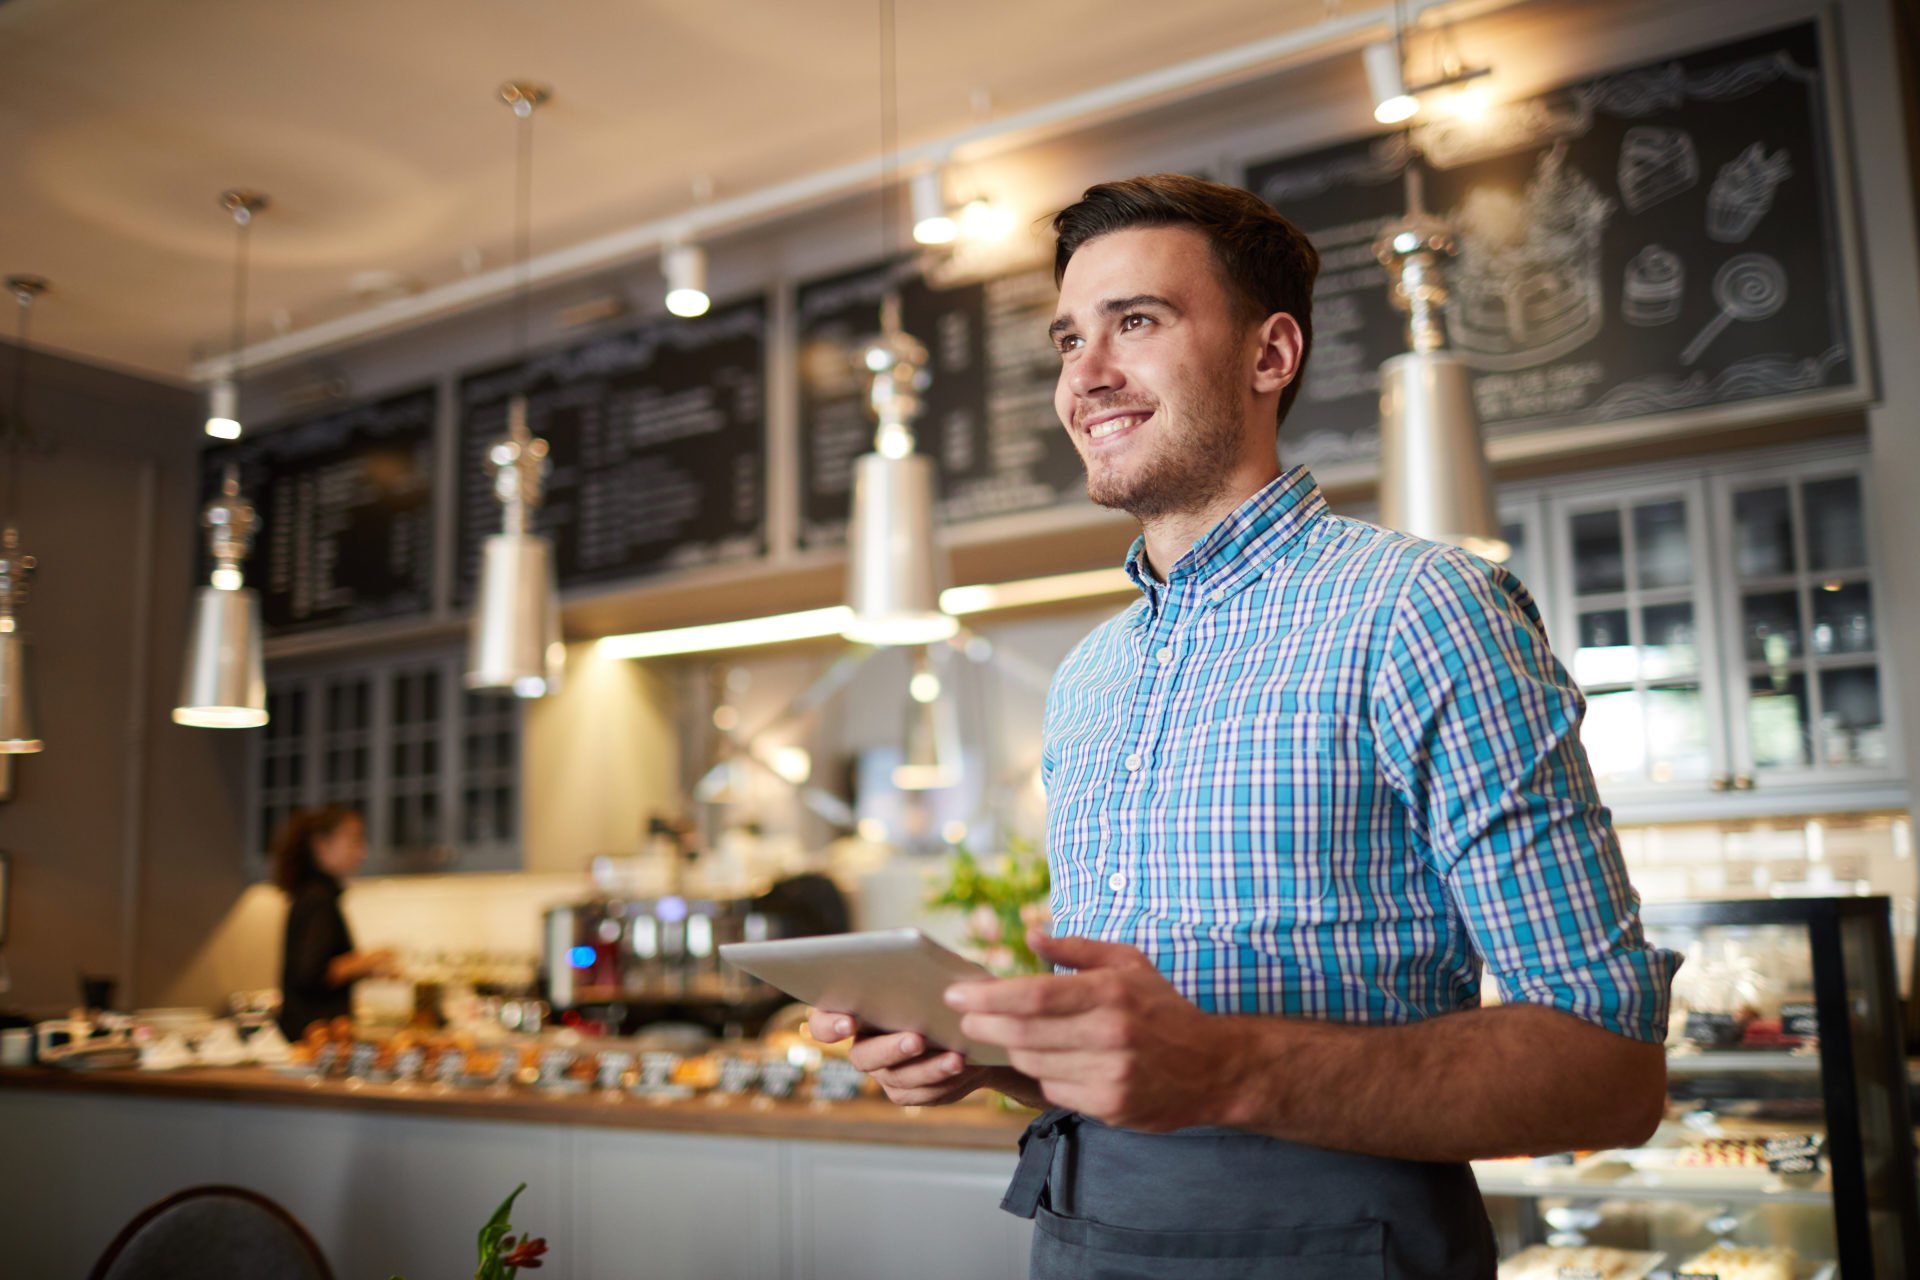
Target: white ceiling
{"points": [[375, 130]]}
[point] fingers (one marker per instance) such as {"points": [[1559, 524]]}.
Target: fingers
{"points": [[1088, 1031], [829, 1027], [1044, 996], [1085, 953]]}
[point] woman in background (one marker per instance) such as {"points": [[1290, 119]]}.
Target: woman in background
{"points": [[314, 852]]}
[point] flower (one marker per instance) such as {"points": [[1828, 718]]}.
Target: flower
{"points": [[525, 1254], [983, 924]]}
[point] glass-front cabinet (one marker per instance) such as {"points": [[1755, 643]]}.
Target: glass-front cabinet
{"points": [[1787, 1148], [433, 769], [1720, 619]]}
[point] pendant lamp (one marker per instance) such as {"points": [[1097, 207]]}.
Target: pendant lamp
{"points": [[17, 735], [223, 397], [1434, 479], [225, 686], [515, 645], [895, 567]]}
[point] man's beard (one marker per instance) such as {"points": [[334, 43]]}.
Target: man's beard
{"points": [[1192, 457]]}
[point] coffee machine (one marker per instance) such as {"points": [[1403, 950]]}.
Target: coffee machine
{"points": [[627, 961]]}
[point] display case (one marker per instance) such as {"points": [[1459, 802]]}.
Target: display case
{"points": [[1787, 1152]]}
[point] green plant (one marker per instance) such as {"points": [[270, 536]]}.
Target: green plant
{"points": [[501, 1256], [1002, 902]]}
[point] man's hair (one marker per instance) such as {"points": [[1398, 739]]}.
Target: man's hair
{"points": [[1265, 262]]}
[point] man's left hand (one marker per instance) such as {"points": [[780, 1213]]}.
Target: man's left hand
{"points": [[1114, 1041]]}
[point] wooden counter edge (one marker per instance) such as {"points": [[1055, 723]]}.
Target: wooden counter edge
{"points": [[967, 1126]]}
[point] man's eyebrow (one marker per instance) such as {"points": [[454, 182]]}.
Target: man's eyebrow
{"points": [[1114, 307]]}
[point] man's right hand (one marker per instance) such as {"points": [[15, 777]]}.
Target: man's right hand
{"points": [[899, 1060]]}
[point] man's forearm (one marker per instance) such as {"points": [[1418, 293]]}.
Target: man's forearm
{"points": [[1511, 1080]]}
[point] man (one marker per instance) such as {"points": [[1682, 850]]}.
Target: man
{"points": [[1300, 792]]}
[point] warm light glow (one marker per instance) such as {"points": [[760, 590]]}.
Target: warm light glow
{"points": [[1494, 549], [726, 718], [21, 746], [981, 219], [893, 441], [872, 830], [779, 628], [954, 832], [219, 717], [924, 777], [223, 428], [924, 687], [1470, 103], [688, 302], [900, 628], [225, 579], [795, 764], [980, 597], [939, 229], [1395, 109], [1834, 585], [223, 410]]}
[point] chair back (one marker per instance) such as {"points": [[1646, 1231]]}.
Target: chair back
{"points": [[213, 1233]]}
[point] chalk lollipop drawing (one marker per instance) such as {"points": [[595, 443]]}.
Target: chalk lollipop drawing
{"points": [[1655, 164], [1651, 292], [1742, 192], [1749, 286]]}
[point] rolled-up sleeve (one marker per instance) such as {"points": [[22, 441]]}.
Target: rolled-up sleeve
{"points": [[1478, 731]]}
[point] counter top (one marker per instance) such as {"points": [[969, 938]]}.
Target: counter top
{"points": [[973, 1125]]}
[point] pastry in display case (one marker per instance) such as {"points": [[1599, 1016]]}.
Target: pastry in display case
{"points": [[1787, 1149]]}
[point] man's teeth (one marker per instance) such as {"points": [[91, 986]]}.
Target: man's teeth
{"points": [[1111, 425]]}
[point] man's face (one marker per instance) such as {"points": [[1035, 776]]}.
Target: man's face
{"points": [[1153, 383]]}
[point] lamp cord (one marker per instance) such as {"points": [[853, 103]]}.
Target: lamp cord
{"points": [[889, 131], [523, 230], [243, 220], [17, 418]]}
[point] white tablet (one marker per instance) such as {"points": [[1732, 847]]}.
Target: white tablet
{"points": [[891, 979]]}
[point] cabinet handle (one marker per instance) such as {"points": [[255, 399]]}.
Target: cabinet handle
{"points": [[1720, 782], [1743, 782]]}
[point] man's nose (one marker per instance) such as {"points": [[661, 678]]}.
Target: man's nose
{"points": [[1095, 371]]}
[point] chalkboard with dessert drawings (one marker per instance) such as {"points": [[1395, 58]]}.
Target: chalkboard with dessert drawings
{"points": [[1659, 241], [987, 419]]}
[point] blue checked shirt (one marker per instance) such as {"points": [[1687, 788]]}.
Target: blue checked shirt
{"points": [[1330, 771]]}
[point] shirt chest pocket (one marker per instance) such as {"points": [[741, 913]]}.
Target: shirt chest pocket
{"points": [[1262, 809]]}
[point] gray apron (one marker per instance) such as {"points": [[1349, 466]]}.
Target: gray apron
{"points": [[1224, 1204]]}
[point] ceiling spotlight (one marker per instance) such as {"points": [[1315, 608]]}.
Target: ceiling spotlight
{"points": [[223, 398], [1387, 84], [931, 222], [685, 266], [223, 410]]}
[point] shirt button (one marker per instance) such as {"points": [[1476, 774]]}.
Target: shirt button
{"points": [[1133, 761], [1116, 882], [1165, 655]]}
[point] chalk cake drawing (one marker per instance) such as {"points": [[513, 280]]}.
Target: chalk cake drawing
{"points": [[1748, 286], [1526, 288], [1746, 379], [1656, 164], [1742, 192], [1655, 281]]}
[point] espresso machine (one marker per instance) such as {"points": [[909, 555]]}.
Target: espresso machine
{"points": [[625, 962]]}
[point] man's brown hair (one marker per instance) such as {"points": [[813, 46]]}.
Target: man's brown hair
{"points": [[1265, 262]]}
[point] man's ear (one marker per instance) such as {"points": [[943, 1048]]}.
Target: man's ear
{"points": [[1279, 354]]}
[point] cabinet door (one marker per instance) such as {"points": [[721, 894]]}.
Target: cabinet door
{"points": [[1635, 625], [1808, 704]]}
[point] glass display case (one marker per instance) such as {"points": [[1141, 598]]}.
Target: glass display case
{"points": [[1787, 1152]]}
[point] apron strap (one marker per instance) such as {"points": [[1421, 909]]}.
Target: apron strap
{"points": [[1036, 1161]]}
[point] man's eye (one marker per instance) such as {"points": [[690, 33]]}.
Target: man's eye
{"points": [[1066, 342], [1134, 321]]}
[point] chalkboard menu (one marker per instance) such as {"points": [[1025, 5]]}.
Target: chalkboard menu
{"points": [[657, 440], [1658, 241], [346, 508], [988, 420]]}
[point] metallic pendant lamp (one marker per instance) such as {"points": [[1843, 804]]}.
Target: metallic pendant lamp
{"points": [[223, 398], [1434, 478], [225, 685], [895, 567], [515, 643], [17, 736]]}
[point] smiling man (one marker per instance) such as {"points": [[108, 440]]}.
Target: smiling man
{"points": [[1301, 793]]}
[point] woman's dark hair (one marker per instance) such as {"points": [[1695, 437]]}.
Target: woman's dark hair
{"points": [[293, 861], [1265, 262]]}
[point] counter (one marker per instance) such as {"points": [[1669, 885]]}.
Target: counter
{"points": [[395, 1179]]}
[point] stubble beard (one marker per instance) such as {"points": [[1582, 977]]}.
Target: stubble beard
{"points": [[1194, 452]]}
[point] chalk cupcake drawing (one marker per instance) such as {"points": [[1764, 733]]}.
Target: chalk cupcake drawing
{"points": [[1526, 287], [1742, 192], [1655, 164], [1655, 281]]}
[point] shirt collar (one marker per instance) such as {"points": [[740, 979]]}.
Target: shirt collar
{"points": [[1244, 543]]}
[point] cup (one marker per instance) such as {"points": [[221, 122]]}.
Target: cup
{"points": [[16, 1047]]}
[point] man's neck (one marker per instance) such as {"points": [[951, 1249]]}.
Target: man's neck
{"points": [[1172, 535]]}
